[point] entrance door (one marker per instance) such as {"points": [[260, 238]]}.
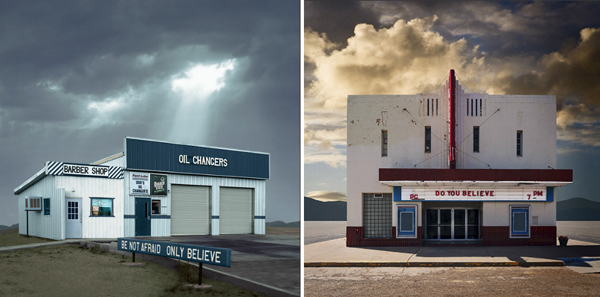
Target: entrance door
{"points": [[73, 218], [143, 208], [452, 224], [445, 223]]}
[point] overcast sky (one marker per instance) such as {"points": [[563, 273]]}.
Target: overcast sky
{"points": [[541, 48], [79, 76]]}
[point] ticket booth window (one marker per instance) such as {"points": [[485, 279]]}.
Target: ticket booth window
{"points": [[407, 221], [519, 221]]}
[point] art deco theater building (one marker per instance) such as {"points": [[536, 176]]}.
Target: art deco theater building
{"points": [[452, 168]]}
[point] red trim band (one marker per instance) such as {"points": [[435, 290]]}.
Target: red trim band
{"points": [[405, 174]]}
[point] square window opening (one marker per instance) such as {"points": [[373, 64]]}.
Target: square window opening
{"points": [[102, 207], [155, 207]]}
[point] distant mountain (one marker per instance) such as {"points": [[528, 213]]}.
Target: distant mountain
{"points": [[284, 224], [315, 210], [15, 226], [577, 209]]}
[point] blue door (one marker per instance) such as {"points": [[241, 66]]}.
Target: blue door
{"points": [[143, 207]]}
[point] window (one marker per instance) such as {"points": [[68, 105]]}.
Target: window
{"points": [[472, 107], [436, 107], [47, 206], [102, 207], [377, 216], [155, 206], [407, 221], [428, 139], [519, 143], [384, 143], [476, 139], [519, 221], [427, 107]]}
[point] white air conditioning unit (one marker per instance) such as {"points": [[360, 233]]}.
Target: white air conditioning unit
{"points": [[33, 203]]}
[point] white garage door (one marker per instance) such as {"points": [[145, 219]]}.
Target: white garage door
{"points": [[190, 211], [236, 212]]}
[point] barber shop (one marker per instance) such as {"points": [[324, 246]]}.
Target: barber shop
{"points": [[152, 188]]}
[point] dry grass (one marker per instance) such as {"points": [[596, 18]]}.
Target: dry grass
{"points": [[11, 237], [68, 270]]}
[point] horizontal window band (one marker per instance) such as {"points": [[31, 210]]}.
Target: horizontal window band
{"points": [[260, 217], [215, 217]]}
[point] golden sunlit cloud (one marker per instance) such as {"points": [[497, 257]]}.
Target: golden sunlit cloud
{"points": [[410, 58]]}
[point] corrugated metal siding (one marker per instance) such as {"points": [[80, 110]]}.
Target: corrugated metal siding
{"points": [[237, 215], [161, 156], [46, 226], [190, 209], [162, 227], [86, 187]]}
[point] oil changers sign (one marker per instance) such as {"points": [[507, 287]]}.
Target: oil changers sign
{"points": [[188, 252], [139, 183], [522, 193], [147, 184]]}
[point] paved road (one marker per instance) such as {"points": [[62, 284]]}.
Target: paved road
{"points": [[480, 281], [317, 231]]}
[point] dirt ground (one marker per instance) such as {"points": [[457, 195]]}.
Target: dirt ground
{"points": [[11, 237], [481, 281], [282, 231], [68, 270]]}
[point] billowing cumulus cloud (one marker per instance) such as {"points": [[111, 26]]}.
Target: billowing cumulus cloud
{"points": [[410, 57]]}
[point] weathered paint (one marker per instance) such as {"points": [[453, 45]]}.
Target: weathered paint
{"points": [[496, 115]]}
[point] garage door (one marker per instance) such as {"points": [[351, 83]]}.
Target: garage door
{"points": [[190, 211], [236, 212]]}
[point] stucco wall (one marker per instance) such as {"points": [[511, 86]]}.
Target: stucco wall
{"points": [[405, 117]]}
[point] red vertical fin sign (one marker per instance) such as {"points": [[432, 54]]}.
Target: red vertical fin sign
{"points": [[452, 116]]}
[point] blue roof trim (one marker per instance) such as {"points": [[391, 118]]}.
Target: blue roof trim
{"points": [[148, 155]]}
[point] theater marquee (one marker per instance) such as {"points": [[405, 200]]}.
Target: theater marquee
{"points": [[473, 194]]}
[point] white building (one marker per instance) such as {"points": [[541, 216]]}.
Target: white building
{"points": [[152, 188], [452, 167]]}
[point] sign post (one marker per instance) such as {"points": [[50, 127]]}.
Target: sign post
{"points": [[188, 252]]}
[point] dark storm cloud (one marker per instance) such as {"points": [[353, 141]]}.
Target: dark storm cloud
{"points": [[337, 18], [504, 28], [78, 76]]}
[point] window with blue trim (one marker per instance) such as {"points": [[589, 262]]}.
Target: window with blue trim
{"points": [[407, 221], [47, 206], [102, 207], [519, 221]]}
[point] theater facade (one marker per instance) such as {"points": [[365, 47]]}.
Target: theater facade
{"points": [[452, 168]]}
